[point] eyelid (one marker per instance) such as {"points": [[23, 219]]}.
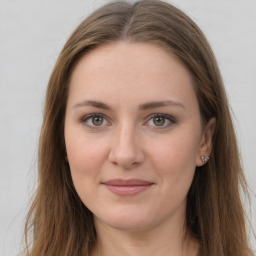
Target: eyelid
{"points": [[166, 116], [170, 118], [85, 118]]}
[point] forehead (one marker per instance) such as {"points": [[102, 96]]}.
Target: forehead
{"points": [[131, 72]]}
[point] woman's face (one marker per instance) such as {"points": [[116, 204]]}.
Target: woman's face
{"points": [[133, 135]]}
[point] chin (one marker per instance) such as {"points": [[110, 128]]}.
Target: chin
{"points": [[127, 224], [127, 220]]}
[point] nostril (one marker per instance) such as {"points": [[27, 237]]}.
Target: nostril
{"points": [[126, 152]]}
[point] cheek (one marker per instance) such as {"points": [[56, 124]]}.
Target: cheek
{"points": [[177, 167], [179, 151], [85, 156], [85, 160], [175, 162], [175, 172]]}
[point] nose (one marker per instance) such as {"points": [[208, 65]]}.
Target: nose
{"points": [[126, 149]]}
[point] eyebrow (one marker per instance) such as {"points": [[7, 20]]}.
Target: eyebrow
{"points": [[145, 106], [92, 103], [157, 104]]}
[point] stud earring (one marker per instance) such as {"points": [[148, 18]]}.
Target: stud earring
{"points": [[204, 158]]}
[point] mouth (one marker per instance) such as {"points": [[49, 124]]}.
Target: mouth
{"points": [[127, 187]]}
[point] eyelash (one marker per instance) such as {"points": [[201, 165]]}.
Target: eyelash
{"points": [[88, 117], [169, 118], [166, 117]]}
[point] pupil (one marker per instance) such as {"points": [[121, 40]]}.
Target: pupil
{"points": [[97, 120], [159, 121]]}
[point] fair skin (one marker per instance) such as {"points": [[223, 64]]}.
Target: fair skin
{"points": [[132, 116]]}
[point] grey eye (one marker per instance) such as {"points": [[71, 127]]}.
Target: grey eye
{"points": [[159, 120], [97, 120]]}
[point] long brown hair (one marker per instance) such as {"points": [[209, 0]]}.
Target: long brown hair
{"points": [[59, 222]]}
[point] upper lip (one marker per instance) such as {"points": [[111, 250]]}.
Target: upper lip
{"points": [[130, 182]]}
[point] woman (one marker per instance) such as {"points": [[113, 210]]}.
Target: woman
{"points": [[137, 154]]}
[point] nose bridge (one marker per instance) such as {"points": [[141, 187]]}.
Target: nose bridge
{"points": [[126, 149], [126, 134]]}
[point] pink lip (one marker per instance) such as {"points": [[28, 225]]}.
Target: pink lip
{"points": [[127, 187]]}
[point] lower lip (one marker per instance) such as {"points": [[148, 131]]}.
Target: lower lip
{"points": [[127, 190]]}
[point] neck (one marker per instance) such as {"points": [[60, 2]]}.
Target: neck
{"points": [[163, 240]]}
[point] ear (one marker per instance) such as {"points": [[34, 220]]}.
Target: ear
{"points": [[206, 141]]}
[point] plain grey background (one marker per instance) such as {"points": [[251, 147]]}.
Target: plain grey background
{"points": [[32, 34]]}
